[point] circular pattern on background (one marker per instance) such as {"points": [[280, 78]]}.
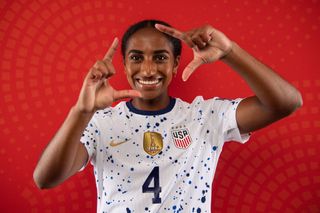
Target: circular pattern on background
{"points": [[278, 170], [47, 47]]}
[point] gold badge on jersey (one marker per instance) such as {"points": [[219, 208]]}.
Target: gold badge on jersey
{"points": [[152, 143]]}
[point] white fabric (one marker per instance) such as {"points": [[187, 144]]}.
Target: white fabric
{"points": [[185, 175]]}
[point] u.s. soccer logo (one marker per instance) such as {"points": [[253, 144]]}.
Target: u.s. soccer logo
{"points": [[181, 137]]}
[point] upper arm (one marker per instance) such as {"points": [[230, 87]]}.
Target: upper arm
{"points": [[252, 115], [80, 159]]}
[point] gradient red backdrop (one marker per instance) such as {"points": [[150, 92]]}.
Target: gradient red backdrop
{"points": [[47, 47]]}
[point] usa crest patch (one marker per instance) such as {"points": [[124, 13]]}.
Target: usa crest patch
{"points": [[181, 137]]}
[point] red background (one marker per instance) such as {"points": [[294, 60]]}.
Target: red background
{"points": [[47, 47]]}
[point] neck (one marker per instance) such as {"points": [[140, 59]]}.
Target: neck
{"points": [[158, 103]]}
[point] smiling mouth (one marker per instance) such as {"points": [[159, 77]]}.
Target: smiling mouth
{"points": [[149, 82]]}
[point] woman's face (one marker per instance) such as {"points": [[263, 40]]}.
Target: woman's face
{"points": [[150, 63]]}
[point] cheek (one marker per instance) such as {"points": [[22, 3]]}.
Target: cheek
{"points": [[168, 69], [130, 69], [127, 72], [164, 67]]}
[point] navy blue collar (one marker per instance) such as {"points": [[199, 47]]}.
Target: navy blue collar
{"points": [[146, 112]]}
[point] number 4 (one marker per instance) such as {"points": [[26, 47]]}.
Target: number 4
{"points": [[156, 189]]}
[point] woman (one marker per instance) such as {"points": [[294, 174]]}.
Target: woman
{"points": [[156, 153]]}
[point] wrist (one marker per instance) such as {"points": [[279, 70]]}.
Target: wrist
{"points": [[231, 52], [79, 112]]}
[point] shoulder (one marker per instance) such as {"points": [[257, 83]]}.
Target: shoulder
{"points": [[200, 102], [199, 106], [215, 104], [110, 112]]}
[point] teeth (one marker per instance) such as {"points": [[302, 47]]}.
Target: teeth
{"points": [[149, 82]]}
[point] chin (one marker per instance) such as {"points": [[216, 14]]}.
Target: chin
{"points": [[148, 96]]}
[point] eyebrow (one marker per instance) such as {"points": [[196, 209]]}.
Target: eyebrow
{"points": [[135, 51], [161, 51], [155, 52]]}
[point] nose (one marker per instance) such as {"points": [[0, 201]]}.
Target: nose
{"points": [[148, 67]]}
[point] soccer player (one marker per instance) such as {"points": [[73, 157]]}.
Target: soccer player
{"points": [[156, 153]]}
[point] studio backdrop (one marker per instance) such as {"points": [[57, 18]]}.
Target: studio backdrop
{"points": [[47, 47]]}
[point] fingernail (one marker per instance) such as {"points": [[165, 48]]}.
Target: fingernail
{"points": [[157, 26]]}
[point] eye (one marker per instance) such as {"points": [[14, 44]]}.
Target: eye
{"points": [[135, 57], [160, 57]]}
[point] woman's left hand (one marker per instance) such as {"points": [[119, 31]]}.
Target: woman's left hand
{"points": [[208, 45]]}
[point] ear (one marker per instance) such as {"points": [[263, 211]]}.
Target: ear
{"points": [[176, 65]]}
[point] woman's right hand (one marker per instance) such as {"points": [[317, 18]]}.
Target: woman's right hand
{"points": [[96, 92]]}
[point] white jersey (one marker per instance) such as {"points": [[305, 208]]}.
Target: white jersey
{"points": [[159, 161]]}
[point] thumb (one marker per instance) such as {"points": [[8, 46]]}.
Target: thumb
{"points": [[122, 94], [190, 68]]}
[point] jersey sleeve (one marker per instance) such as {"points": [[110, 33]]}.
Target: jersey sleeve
{"points": [[228, 109], [89, 139], [218, 115]]}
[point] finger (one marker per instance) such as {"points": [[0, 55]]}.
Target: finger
{"points": [[199, 42], [100, 65], [111, 70], [188, 40], [206, 37], [112, 49], [105, 67], [176, 33], [170, 31], [121, 94], [94, 74], [190, 68]]}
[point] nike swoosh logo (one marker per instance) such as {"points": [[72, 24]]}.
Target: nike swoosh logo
{"points": [[114, 143]]}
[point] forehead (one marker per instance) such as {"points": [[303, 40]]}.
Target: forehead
{"points": [[149, 39]]}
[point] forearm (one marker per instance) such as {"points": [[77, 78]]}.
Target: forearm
{"points": [[58, 157], [273, 92]]}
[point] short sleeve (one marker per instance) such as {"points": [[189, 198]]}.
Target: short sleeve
{"points": [[89, 139], [230, 128]]}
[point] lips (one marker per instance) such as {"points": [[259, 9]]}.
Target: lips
{"points": [[148, 83]]}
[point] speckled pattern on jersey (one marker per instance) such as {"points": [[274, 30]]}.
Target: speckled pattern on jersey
{"points": [[178, 178]]}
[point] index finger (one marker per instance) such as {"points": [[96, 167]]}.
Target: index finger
{"points": [[170, 31], [175, 33], [112, 49]]}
